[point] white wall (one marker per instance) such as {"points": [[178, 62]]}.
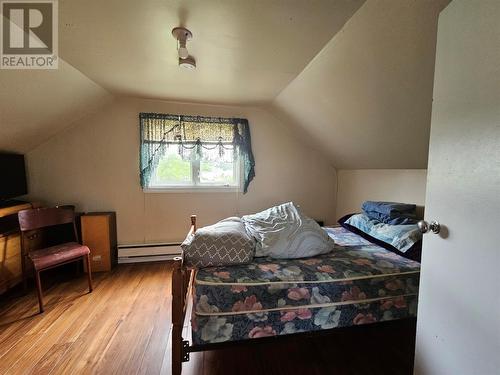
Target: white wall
{"points": [[397, 185], [95, 165]]}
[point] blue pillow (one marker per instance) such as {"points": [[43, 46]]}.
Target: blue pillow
{"points": [[402, 237], [390, 212]]}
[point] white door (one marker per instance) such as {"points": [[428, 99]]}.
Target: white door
{"points": [[458, 323]]}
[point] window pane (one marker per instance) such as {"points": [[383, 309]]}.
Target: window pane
{"points": [[216, 169], [172, 170]]}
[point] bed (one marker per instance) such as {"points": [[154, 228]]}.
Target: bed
{"points": [[357, 283]]}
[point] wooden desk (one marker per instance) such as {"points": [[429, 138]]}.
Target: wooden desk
{"points": [[10, 246]]}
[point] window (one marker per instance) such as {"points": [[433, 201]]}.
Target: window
{"points": [[193, 152], [187, 170]]}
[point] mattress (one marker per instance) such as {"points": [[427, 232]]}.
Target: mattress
{"points": [[357, 283]]}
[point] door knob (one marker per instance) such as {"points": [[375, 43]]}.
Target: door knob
{"points": [[425, 227]]}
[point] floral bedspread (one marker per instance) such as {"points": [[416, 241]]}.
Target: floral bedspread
{"points": [[357, 283]]}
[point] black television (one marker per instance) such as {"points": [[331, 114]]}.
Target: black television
{"points": [[12, 176]]}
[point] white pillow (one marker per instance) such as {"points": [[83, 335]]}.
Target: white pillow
{"points": [[283, 232]]}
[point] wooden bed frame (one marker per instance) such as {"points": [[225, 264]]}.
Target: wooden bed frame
{"points": [[182, 280]]}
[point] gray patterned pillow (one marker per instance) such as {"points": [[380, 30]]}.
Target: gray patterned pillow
{"points": [[223, 243]]}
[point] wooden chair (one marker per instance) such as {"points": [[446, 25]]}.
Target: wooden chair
{"points": [[53, 256]]}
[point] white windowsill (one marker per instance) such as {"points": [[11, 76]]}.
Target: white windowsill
{"points": [[193, 189]]}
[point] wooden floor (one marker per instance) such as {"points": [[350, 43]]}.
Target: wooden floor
{"points": [[123, 327]]}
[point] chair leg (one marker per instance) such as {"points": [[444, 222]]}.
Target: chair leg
{"points": [[39, 290], [89, 272]]}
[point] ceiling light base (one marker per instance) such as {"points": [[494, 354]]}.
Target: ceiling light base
{"points": [[181, 33]]}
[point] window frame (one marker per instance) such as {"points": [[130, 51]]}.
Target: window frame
{"points": [[180, 129]]}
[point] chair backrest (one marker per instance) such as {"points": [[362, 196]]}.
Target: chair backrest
{"points": [[38, 218]]}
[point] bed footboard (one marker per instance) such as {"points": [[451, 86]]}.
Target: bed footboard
{"points": [[181, 280]]}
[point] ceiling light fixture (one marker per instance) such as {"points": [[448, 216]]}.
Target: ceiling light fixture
{"points": [[183, 35], [188, 63]]}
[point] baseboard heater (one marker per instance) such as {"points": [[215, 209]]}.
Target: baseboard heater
{"points": [[154, 252]]}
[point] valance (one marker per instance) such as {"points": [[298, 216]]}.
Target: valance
{"points": [[195, 133]]}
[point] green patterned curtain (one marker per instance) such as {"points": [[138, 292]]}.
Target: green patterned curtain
{"points": [[193, 133]]}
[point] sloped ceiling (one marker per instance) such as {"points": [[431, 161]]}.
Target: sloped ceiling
{"points": [[360, 92], [365, 100], [247, 51], [37, 104]]}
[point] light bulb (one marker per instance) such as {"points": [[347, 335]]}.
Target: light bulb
{"points": [[183, 52]]}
